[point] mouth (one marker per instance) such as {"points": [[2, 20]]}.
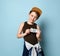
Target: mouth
{"points": [[32, 20]]}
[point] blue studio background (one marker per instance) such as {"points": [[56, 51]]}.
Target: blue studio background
{"points": [[13, 12]]}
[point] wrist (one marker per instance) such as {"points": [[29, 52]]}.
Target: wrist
{"points": [[24, 34]]}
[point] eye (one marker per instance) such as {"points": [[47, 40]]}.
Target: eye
{"points": [[32, 15]]}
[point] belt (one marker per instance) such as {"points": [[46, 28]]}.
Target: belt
{"points": [[33, 49]]}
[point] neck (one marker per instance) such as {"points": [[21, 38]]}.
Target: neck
{"points": [[30, 23]]}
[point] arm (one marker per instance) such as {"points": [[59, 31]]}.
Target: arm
{"points": [[38, 33], [20, 34]]}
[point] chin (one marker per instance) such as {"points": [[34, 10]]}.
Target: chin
{"points": [[32, 21]]}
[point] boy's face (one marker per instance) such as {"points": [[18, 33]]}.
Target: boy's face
{"points": [[32, 17]]}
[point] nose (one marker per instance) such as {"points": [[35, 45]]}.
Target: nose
{"points": [[33, 18]]}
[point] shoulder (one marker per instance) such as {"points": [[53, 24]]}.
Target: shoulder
{"points": [[38, 26], [35, 24], [22, 24]]}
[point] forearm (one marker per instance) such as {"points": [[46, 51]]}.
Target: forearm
{"points": [[21, 35], [38, 37]]}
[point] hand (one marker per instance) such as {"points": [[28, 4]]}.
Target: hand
{"points": [[27, 31], [38, 32]]}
